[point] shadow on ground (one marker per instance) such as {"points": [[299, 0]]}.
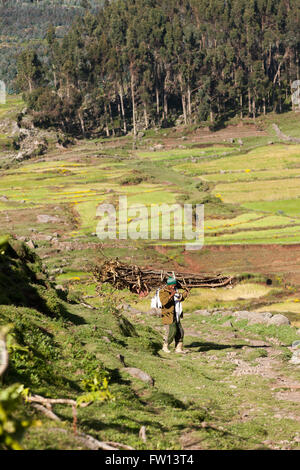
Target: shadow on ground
{"points": [[202, 347]]}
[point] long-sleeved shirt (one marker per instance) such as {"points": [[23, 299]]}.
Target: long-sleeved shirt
{"points": [[168, 305]]}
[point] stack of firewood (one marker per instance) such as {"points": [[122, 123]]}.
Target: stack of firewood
{"points": [[139, 280]]}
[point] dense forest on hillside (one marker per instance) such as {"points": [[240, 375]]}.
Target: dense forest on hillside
{"points": [[26, 22], [139, 63]]}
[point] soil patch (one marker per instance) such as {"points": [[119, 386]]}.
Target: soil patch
{"points": [[269, 260]]}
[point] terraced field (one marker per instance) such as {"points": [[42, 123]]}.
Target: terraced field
{"points": [[250, 191], [265, 181], [260, 185]]}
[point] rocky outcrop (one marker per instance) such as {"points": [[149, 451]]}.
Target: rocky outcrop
{"points": [[252, 318]]}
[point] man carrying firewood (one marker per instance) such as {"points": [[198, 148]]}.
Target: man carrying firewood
{"points": [[170, 299]]}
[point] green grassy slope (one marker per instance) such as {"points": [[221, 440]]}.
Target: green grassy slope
{"points": [[225, 394]]}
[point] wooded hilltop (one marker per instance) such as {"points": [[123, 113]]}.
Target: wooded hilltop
{"points": [[142, 63]]}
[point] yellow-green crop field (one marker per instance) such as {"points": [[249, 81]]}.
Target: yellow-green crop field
{"points": [[251, 194]]}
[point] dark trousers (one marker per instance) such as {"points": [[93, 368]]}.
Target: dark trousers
{"points": [[174, 332]]}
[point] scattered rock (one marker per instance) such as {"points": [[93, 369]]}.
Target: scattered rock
{"points": [[31, 244], [139, 374], [205, 313], [295, 358], [278, 320], [253, 318], [158, 147], [296, 344], [21, 156], [57, 271], [106, 339], [3, 198], [155, 312], [45, 219], [261, 318], [135, 372], [60, 287]]}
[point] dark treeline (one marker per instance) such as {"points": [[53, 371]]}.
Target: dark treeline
{"points": [[139, 63], [26, 22]]}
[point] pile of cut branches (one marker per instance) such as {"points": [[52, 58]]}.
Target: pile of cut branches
{"points": [[142, 281]]}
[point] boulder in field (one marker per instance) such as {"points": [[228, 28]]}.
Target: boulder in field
{"points": [[204, 313], [31, 244], [278, 320], [261, 318], [139, 374], [295, 358], [158, 147], [46, 219]]}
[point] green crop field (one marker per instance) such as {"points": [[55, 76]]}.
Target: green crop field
{"points": [[252, 194]]}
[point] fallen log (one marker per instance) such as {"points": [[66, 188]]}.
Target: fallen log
{"points": [[142, 281]]}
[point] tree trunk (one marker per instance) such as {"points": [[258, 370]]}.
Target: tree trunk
{"points": [[183, 99], [121, 93], [111, 118], [133, 102], [81, 123], [157, 100], [165, 105], [106, 122], [264, 105], [189, 101], [146, 116], [241, 105], [249, 102], [68, 89], [55, 79]]}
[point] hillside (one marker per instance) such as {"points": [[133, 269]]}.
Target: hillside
{"points": [[158, 137], [239, 386]]}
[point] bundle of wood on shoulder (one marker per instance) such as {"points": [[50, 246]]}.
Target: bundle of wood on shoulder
{"points": [[139, 280]]}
